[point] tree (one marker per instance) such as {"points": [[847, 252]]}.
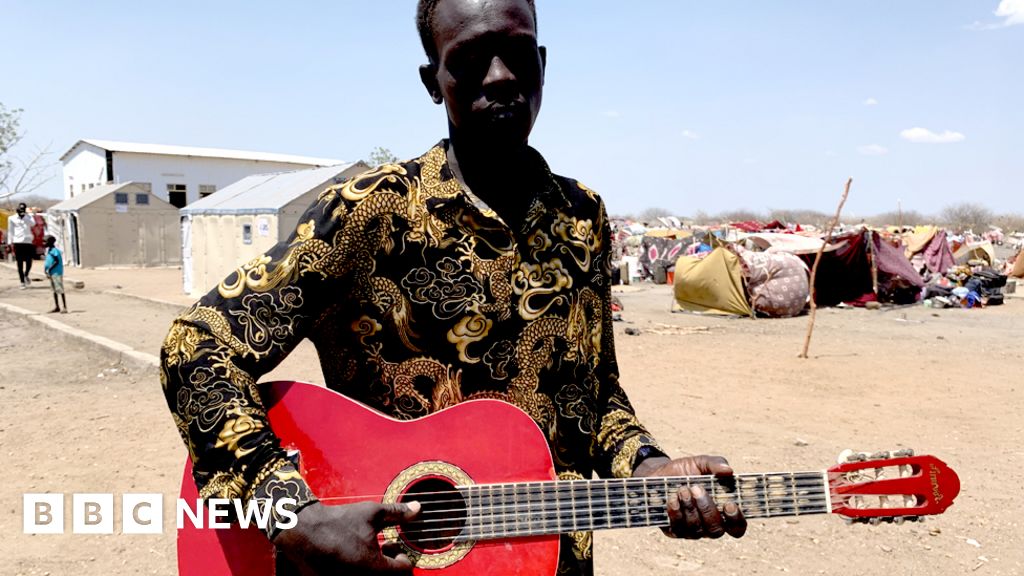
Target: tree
{"points": [[18, 175], [966, 216], [651, 215], [381, 156]]}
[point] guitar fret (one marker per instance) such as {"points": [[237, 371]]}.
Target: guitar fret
{"points": [[764, 490], [646, 504], [669, 493], [796, 495]]}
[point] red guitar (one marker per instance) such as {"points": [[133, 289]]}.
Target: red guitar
{"points": [[491, 504]]}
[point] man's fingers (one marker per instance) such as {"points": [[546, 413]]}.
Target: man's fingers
{"points": [[735, 522], [710, 519], [399, 563], [690, 527], [395, 513]]}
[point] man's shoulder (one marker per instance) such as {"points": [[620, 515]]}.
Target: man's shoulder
{"points": [[399, 177], [580, 196]]}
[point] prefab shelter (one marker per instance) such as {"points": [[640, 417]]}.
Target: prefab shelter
{"points": [[117, 225], [247, 218]]}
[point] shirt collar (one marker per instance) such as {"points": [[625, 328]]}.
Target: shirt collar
{"points": [[549, 191]]}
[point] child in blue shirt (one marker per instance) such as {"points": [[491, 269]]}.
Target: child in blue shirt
{"points": [[54, 268]]}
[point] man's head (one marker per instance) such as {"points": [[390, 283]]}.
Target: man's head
{"points": [[51, 241], [21, 209], [485, 66]]}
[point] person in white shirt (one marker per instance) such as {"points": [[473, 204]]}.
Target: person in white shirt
{"points": [[19, 234]]}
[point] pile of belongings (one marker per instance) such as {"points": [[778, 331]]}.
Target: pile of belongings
{"points": [[966, 287]]}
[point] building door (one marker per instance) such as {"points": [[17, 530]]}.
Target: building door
{"points": [[76, 257]]}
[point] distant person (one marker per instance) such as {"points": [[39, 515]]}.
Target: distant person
{"points": [[54, 268], [19, 234]]}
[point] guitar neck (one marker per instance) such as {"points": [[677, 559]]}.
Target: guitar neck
{"points": [[496, 511]]}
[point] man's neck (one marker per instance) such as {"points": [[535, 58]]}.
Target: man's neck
{"points": [[504, 180]]}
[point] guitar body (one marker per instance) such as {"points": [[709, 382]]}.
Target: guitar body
{"points": [[347, 450]]}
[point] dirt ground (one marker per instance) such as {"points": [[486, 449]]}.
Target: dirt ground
{"points": [[945, 382]]}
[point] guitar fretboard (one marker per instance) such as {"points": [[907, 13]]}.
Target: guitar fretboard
{"points": [[495, 511]]}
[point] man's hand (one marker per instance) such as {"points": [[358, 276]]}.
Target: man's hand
{"points": [[692, 511], [343, 539]]}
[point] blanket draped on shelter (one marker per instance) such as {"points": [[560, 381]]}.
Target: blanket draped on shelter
{"points": [[778, 283], [661, 251]]}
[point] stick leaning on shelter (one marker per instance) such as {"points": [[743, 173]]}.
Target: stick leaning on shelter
{"points": [[817, 260]]}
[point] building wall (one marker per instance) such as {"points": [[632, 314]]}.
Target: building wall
{"points": [[218, 246], [160, 170], [135, 236], [86, 166]]}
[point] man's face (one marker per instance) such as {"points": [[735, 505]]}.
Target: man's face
{"points": [[489, 71], [21, 210]]}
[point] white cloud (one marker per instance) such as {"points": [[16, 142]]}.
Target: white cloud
{"points": [[612, 113], [920, 135], [873, 150], [691, 135], [1011, 11], [871, 102]]}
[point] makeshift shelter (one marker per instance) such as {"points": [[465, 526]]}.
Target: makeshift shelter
{"points": [[1018, 267], [929, 248], [791, 243], [778, 283], [711, 284], [661, 252], [860, 267], [117, 225], [247, 218], [976, 251]]}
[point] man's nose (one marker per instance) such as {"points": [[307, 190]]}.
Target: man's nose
{"points": [[499, 79]]}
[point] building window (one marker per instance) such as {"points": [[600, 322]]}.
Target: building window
{"points": [[206, 189], [71, 189], [176, 195], [91, 186], [142, 199], [246, 233], [120, 198], [83, 187]]}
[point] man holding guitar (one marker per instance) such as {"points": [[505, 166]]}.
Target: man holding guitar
{"points": [[471, 272]]}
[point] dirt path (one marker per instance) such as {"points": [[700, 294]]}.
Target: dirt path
{"points": [[943, 382]]}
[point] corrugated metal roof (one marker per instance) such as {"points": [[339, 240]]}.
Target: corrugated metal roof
{"points": [[266, 193], [169, 150], [88, 197]]}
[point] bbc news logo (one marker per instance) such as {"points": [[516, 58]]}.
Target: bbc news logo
{"points": [[144, 513]]}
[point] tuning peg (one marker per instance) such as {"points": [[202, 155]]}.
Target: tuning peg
{"points": [[875, 521], [879, 456], [900, 519], [905, 453]]}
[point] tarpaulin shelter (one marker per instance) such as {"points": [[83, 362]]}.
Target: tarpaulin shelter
{"points": [[712, 284], [791, 243], [777, 282]]}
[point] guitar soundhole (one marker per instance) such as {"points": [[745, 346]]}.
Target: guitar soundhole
{"points": [[442, 518]]}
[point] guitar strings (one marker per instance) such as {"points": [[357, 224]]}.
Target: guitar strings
{"points": [[579, 487]]}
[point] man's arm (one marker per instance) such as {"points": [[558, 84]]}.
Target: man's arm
{"points": [[625, 448], [218, 349]]}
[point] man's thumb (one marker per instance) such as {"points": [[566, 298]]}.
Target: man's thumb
{"points": [[400, 512]]}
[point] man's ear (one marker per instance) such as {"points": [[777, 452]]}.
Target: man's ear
{"points": [[543, 61], [428, 75]]}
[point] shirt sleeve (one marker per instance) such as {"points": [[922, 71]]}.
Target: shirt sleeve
{"points": [[622, 442], [218, 349]]}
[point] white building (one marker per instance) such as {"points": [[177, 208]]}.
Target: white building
{"points": [[179, 175]]}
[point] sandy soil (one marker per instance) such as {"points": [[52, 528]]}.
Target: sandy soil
{"points": [[943, 382]]}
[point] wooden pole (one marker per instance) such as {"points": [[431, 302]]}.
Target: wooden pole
{"points": [[817, 260]]}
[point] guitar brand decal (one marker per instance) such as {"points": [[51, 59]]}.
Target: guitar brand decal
{"points": [[933, 475]]}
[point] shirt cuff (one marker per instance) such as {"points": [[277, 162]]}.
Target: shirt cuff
{"points": [[631, 452], [281, 480]]}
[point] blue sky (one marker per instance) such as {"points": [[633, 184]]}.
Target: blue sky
{"points": [[684, 105]]}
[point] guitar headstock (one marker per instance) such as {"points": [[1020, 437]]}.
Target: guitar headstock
{"points": [[890, 486]]}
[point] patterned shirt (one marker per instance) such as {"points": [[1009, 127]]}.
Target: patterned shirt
{"points": [[417, 296]]}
